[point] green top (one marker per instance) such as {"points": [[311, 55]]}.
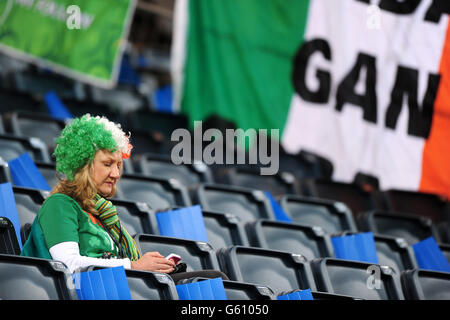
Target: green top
{"points": [[62, 219]]}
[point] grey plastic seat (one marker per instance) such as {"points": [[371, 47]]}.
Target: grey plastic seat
{"points": [[278, 184], [32, 124], [411, 227], [357, 199], [420, 203], [28, 204], [146, 285], [136, 217], [224, 229], [351, 278], [8, 239], [196, 254], [395, 253], [158, 193], [426, 285], [247, 204], [25, 278], [310, 242], [48, 171], [279, 270], [332, 216], [12, 147], [161, 166]]}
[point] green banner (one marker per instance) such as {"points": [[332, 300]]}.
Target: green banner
{"points": [[82, 39]]}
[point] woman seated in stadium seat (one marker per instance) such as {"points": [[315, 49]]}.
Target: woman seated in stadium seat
{"points": [[77, 224]]}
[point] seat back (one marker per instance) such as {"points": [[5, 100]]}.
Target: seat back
{"points": [[425, 204], [310, 242], [412, 228], [161, 166], [247, 204], [279, 270], [331, 216], [12, 147], [8, 239], [136, 217], [357, 199], [224, 229], [28, 204], [38, 125], [278, 184], [25, 278], [395, 253], [426, 285], [353, 278], [197, 255], [157, 193]]}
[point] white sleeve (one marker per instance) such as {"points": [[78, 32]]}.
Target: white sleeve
{"points": [[69, 253]]}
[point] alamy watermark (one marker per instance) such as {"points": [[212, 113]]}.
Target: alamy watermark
{"points": [[266, 150]]}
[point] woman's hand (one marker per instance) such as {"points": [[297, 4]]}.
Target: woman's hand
{"points": [[153, 261]]}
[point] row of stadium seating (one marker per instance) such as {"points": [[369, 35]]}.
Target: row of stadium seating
{"points": [[263, 252], [267, 238]]}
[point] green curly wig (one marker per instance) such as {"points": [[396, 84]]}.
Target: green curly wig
{"points": [[80, 141]]}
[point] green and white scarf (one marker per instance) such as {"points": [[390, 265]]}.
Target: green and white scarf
{"points": [[108, 215]]}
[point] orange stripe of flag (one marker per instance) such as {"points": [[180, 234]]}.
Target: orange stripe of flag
{"points": [[436, 154]]}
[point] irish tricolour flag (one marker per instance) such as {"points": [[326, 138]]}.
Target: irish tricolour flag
{"points": [[365, 83]]}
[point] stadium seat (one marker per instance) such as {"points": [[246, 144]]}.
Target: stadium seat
{"points": [[149, 142], [279, 270], [395, 253], [247, 204], [24, 278], [310, 242], [161, 166], [12, 147], [278, 184], [425, 204], [146, 285], [48, 171], [196, 254], [420, 284], [12, 100], [80, 108], [332, 216], [411, 227], [224, 229], [5, 173], [136, 217], [38, 82], [444, 231], [357, 199], [28, 203], [162, 122], [159, 194], [8, 239], [331, 296], [445, 248], [351, 278], [236, 290], [31, 124]]}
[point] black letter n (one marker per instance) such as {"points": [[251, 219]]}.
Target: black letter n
{"points": [[419, 121]]}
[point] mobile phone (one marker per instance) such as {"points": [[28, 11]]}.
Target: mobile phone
{"points": [[175, 258]]}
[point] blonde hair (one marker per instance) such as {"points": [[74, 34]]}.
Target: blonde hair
{"points": [[82, 188]]}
